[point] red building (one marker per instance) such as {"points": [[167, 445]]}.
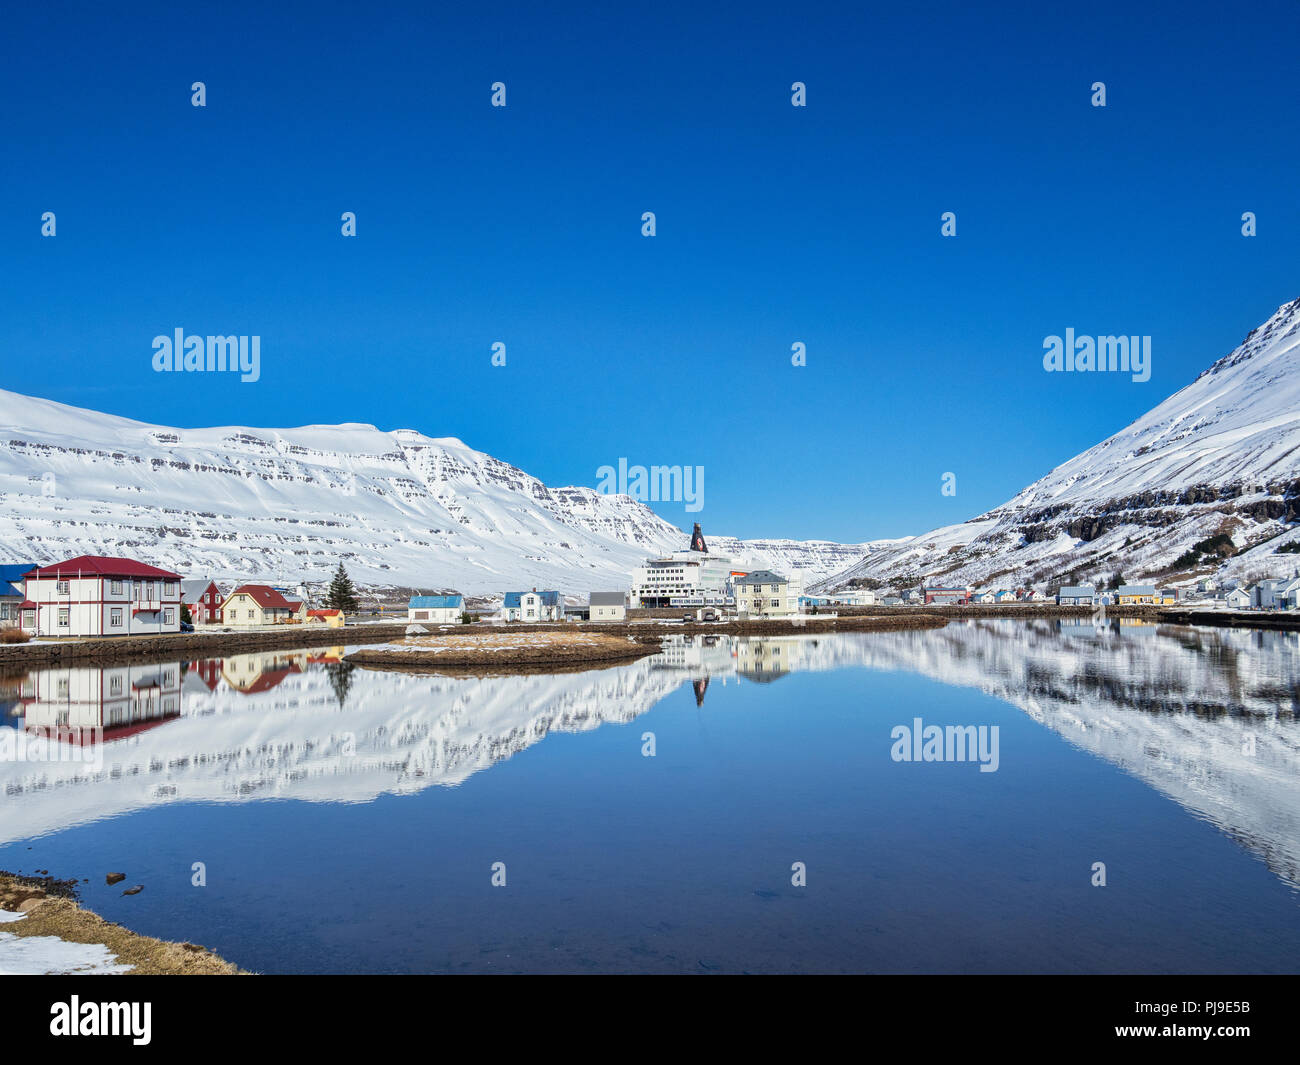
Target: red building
{"points": [[204, 600]]}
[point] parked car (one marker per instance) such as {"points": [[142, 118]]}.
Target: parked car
{"points": [[688, 617], [186, 626]]}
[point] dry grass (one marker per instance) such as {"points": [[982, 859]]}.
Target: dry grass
{"points": [[11, 634], [48, 915], [543, 649]]}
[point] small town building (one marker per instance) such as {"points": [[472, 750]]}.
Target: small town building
{"points": [[1289, 594], [1136, 595], [1005, 595], [1076, 595], [95, 595], [12, 595], [533, 606], [1237, 599], [334, 619], [765, 593], [253, 605], [941, 596], [985, 597], [435, 609], [204, 599], [607, 606], [1268, 594]]}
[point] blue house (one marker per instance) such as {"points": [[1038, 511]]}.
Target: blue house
{"points": [[441, 609], [11, 592]]}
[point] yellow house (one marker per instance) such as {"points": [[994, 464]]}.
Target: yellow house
{"points": [[1137, 595], [334, 619]]}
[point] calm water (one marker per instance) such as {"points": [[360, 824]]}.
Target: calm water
{"points": [[348, 820]]}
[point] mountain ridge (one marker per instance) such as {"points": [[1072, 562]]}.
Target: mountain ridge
{"points": [[1219, 458], [398, 508]]}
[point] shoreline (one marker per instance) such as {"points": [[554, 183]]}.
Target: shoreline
{"points": [[50, 908], [174, 647]]}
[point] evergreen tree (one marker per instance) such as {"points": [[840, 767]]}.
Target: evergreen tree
{"points": [[342, 595]]}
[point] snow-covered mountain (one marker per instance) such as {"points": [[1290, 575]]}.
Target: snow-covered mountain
{"points": [[287, 505], [1219, 458]]}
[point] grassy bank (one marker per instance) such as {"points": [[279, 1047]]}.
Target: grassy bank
{"points": [[52, 910]]}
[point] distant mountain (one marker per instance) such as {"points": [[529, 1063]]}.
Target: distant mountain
{"points": [[287, 505], [1208, 480]]}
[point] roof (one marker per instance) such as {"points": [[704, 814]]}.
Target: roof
{"points": [[265, 597], [1137, 589], [436, 602], [102, 566], [607, 599], [548, 598], [13, 575], [193, 591], [323, 613], [1075, 591], [762, 576]]}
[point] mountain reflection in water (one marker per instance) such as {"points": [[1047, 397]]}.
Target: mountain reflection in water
{"points": [[1205, 716]]}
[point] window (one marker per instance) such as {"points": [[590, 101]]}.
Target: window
{"points": [[776, 602], [116, 587], [115, 617], [115, 685], [63, 618], [169, 616], [250, 615], [61, 587], [169, 589], [167, 677]]}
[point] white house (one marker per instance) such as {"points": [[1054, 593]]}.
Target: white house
{"points": [[1237, 599], [94, 595], [533, 606], [607, 606], [435, 609], [766, 593]]}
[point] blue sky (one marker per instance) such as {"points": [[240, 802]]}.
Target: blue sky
{"points": [[776, 224]]}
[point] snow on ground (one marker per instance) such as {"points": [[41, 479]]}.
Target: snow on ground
{"points": [[51, 956]]}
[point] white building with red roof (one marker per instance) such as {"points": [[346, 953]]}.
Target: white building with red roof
{"points": [[94, 595]]}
